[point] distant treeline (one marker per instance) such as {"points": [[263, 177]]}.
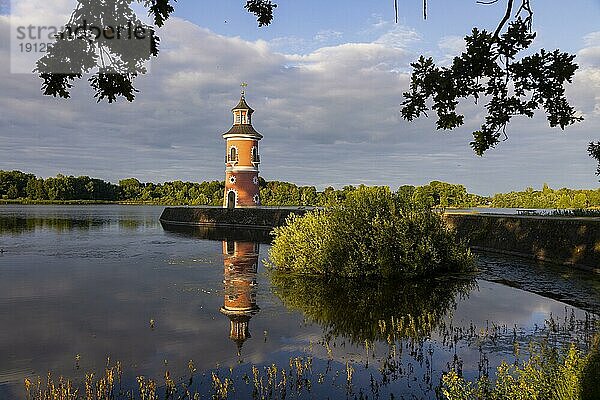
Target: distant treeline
{"points": [[548, 198], [19, 186]]}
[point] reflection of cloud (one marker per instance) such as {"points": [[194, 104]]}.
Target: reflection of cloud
{"points": [[55, 306], [93, 293]]}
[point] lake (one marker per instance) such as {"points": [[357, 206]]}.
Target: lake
{"points": [[83, 286]]}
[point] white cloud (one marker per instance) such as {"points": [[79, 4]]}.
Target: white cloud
{"points": [[399, 37], [329, 116], [452, 44], [592, 39], [327, 35], [590, 54]]}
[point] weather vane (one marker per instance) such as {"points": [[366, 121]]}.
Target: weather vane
{"points": [[244, 85]]}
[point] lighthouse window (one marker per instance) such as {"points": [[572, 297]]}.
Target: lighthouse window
{"points": [[237, 118], [233, 156], [255, 154], [243, 117]]}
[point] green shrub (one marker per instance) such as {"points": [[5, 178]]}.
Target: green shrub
{"points": [[548, 374], [373, 232]]}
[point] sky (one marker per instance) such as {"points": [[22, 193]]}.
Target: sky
{"points": [[326, 80]]}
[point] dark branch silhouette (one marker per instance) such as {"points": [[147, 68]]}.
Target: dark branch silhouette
{"points": [[109, 42], [594, 150], [490, 68]]}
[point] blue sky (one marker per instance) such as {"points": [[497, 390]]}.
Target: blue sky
{"points": [[326, 80], [560, 23]]}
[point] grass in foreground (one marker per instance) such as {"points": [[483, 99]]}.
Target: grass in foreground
{"points": [[548, 374]]}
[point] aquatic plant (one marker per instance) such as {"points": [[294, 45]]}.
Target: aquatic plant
{"points": [[549, 373], [269, 382], [373, 232], [305, 377]]}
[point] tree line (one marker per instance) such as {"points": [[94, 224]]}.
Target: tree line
{"points": [[20, 186], [548, 198]]}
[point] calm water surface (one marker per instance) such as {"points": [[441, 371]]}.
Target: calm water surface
{"points": [[85, 282]]}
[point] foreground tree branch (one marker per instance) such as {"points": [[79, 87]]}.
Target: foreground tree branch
{"points": [[491, 69], [108, 42], [594, 150]]}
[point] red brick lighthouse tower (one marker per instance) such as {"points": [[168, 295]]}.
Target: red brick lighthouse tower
{"points": [[242, 160]]}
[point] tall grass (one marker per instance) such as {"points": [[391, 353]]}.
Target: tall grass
{"points": [[549, 373]]}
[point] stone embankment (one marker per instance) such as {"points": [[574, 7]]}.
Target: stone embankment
{"points": [[568, 241]]}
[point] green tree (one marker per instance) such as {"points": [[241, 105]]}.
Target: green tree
{"points": [[580, 200], [490, 68], [130, 188], [405, 193], [14, 182], [12, 192]]}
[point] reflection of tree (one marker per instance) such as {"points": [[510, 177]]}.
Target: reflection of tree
{"points": [[371, 310], [17, 225]]}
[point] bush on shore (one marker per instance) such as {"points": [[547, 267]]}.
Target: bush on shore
{"points": [[373, 232]]}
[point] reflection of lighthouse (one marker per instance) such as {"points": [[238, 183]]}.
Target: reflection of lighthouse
{"points": [[241, 264]]}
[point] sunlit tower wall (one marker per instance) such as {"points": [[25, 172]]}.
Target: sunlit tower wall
{"points": [[242, 160]]}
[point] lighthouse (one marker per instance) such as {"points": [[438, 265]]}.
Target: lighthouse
{"points": [[242, 159]]}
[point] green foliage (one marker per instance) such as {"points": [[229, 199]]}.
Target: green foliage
{"points": [[548, 373], [440, 195], [548, 198], [19, 185], [370, 233], [590, 376], [489, 69], [113, 64], [13, 184], [263, 9]]}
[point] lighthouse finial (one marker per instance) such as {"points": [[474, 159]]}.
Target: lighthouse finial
{"points": [[244, 85]]}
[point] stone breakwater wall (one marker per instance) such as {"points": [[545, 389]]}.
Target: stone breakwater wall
{"points": [[561, 240], [248, 218]]}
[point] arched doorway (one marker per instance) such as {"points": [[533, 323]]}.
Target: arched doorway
{"points": [[231, 199]]}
